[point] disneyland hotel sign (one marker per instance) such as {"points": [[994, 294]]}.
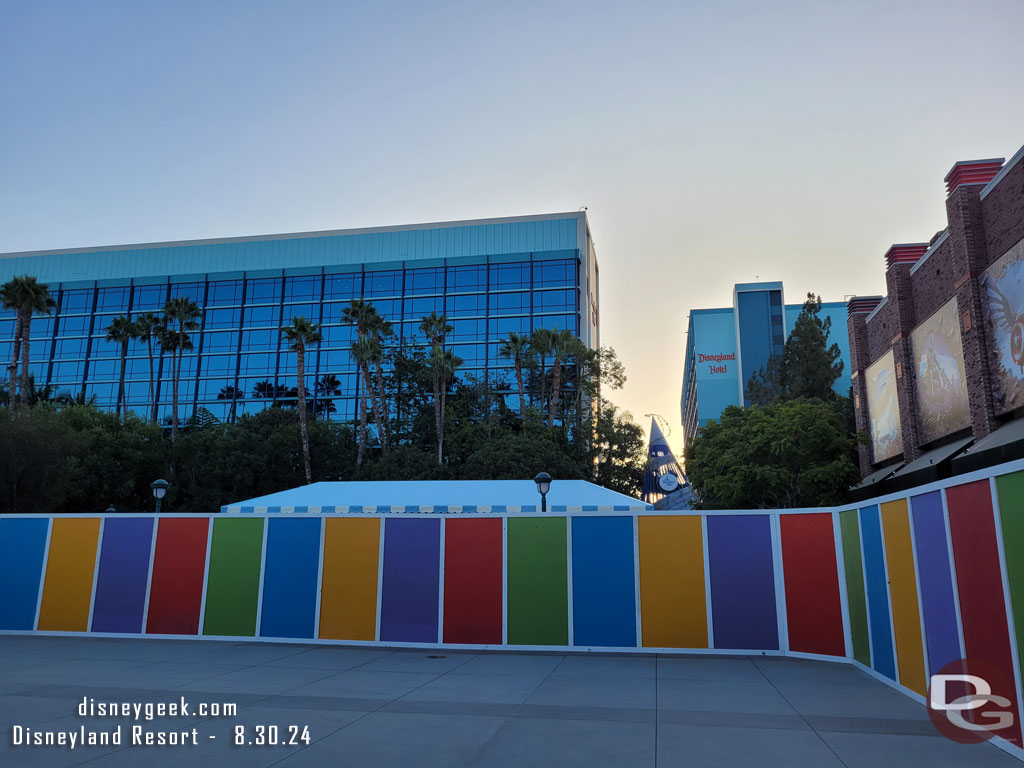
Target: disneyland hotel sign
{"points": [[721, 357]]}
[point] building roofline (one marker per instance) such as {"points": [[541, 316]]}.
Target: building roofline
{"points": [[1018, 157], [298, 235]]}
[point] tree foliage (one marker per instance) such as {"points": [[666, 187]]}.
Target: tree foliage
{"points": [[66, 455], [784, 454], [809, 366]]}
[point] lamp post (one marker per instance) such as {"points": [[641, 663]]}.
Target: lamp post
{"points": [[543, 481], [159, 491]]}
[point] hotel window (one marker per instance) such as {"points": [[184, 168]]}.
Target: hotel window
{"points": [[263, 290], [224, 292], [468, 278], [424, 281], [384, 283], [343, 286]]}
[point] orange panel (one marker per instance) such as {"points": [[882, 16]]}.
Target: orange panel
{"points": [[70, 566], [906, 616], [348, 597], [672, 601]]}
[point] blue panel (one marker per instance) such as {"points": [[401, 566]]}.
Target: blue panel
{"points": [[742, 575], [22, 544], [878, 593], [603, 586], [933, 576], [290, 577]]}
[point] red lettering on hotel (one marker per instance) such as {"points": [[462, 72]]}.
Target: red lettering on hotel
{"points": [[720, 357]]}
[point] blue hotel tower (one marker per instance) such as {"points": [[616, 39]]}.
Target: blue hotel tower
{"points": [[726, 346], [489, 276]]}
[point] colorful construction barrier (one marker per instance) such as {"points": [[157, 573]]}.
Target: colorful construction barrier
{"points": [[902, 585]]}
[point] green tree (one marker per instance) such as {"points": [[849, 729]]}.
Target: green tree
{"points": [[784, 454], [181, 316], [562, 344], [442, 364], [363, 350], [121, 331], [147, 329], [379, 331], [366, 349], [619, 451], [27, 297], [516, 348], [300, 335], [809, 366], [542, 342]]}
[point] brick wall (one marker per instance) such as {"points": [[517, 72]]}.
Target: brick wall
{"points": [[979, 231]]}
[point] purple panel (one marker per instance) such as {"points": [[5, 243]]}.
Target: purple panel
{"points": [[411, 580], [742, 582], [937, 601], [124, 572]]}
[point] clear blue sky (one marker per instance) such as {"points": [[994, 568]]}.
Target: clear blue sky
{"points": [[713, 140]]}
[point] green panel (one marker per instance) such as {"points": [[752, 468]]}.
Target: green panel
{"points": [[233, 584], [1010, 492], [538, 595], [856, 601]]}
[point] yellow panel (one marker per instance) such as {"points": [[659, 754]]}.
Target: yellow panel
{"points": [[906, 617], [67, 592], [348, 600], [672, 601]]}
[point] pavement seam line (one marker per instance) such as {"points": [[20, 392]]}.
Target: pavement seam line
{"points": [[828, 746]]}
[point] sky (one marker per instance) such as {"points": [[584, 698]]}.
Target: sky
{"points": [[713, 141]]}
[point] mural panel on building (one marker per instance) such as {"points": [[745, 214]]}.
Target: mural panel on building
{"points": [[1002, 286], [884, 408], [940, 381]]}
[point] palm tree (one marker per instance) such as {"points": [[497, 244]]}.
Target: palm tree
{"points": [[562, 346], [370, 327], [181, 315], [363, 351], [442, 366], [300, 334], [232, 393], [27, 296], [379, 329], [516, 347], [10, 299], [542, 342], [147, 328], [121, 331]]}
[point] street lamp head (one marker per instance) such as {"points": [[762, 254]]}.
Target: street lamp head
{"points": [[543, 481], [159, 488]]}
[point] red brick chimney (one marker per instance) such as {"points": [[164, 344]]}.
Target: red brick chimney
{"points": [[973, 172], [905, 253]]}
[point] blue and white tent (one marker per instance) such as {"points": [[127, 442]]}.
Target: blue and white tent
{"points": [[440, 496]]}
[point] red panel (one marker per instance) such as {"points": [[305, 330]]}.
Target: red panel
{"points": [[980, 584], [472, 581], [179, 566], [813, 609]]}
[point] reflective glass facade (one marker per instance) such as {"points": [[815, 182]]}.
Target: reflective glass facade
{"points": [[239, 364]]}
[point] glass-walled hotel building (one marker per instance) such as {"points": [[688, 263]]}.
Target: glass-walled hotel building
{"points": [[488, 276]]}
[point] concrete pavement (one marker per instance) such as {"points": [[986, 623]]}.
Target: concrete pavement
{"points": [[376, 707]]}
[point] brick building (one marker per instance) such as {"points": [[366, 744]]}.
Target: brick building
{"points": [[938, 362]]}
